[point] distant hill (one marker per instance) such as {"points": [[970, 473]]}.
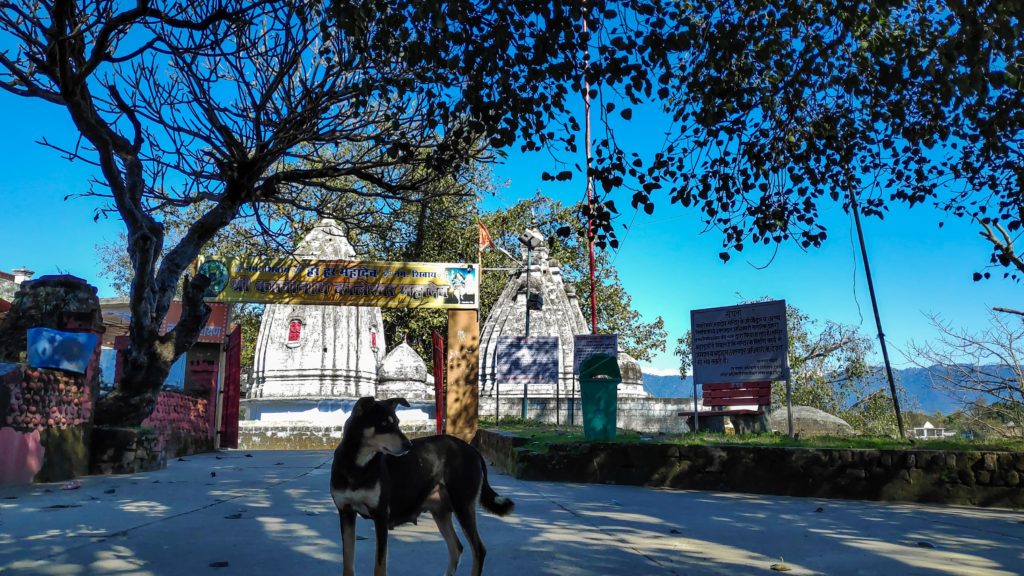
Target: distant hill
{"points": [[920, 391], [915, 380]]}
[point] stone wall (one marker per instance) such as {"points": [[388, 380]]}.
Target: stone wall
{"points": [[126, 450], [183, 423], [42, 399], [974, 478], [47, 414], [256, 435], [649, 415]]}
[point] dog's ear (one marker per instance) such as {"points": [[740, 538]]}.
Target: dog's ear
{"points": [[392, 402], [362, 405]]}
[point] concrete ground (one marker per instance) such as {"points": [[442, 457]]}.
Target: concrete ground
{"points": [[270, 513]]}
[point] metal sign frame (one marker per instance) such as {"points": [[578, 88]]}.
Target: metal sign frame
{"points": [[741, 343]]}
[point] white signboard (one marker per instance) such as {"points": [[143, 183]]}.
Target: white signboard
{"points": [[745, 343], [527, 360], [586, 345]]}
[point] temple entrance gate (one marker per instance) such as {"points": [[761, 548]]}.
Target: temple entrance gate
{"points": [[451, 286]]}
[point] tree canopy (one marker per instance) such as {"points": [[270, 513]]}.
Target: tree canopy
{"points": [[779, 104], [774, 108], [223, 109], [230, 109]]}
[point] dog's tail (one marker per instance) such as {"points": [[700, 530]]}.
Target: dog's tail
{"points": [[490, 500]]}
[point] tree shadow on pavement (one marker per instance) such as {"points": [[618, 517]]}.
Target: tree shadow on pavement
{"points": [[272, 514]]}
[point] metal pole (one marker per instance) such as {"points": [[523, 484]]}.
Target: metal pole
{"points": [[558, 402], [789, 406], [590, 187], [696, 426], [529, 264], [878, 320], [572, 401]]}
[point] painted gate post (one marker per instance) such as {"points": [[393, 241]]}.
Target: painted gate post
{"points": [[463, 396]]}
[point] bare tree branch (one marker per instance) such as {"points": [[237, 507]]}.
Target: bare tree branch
{"points": [[982, 371]]}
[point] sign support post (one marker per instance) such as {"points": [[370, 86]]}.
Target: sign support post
{"points": [[789, 402], [696, 426], [530, 240]]}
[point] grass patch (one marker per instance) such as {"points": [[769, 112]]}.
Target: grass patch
{"points": [[541, 436], [854, 442]]}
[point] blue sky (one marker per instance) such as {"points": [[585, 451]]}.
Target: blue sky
{"points": [[664, 262]]}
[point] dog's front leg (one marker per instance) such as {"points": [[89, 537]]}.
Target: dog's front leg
{"points": [[380, 526], [348, 542]]}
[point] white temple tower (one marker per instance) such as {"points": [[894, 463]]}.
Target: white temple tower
{"points": [[560, 317], [308, 352]]}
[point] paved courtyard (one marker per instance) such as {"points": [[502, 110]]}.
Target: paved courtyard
{"points": [[258, 513]]}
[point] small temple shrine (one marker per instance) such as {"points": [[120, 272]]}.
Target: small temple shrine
{"points": [[560, 316]]}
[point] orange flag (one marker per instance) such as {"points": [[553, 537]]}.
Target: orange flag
{"points": [[485, 237]]}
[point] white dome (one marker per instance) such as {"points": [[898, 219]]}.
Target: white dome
{"points": [[402, 364]]}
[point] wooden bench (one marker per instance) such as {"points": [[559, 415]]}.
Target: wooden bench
{"points": [[721, 397]]}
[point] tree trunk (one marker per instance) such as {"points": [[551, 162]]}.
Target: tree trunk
{"points": [[149, 358]]}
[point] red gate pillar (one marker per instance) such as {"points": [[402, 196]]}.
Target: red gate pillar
{"points": [[232, 391], [438, 360]]}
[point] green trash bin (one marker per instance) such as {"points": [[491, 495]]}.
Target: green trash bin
{"points": [[599, 385]]}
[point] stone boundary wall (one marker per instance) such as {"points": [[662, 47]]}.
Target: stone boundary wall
{"points": [[126, 450], [934, 476], [42, 399], [183, 423], [649, 415], [47, 417], [256, 435], [646, 415]]}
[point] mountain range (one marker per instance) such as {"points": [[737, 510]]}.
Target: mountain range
{"points": [[923, 397]]}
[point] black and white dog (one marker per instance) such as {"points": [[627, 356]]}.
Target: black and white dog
{"points": [[381, 475]]}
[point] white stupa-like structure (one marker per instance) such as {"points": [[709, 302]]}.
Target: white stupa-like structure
{"points": [[314, 353], [561, 316], [403, 374]]}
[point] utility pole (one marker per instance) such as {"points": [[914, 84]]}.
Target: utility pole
{"points": [[590, 181], [878, 319]]}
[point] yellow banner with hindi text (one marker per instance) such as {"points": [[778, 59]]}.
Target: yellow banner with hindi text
{"points": [[343, 282]]}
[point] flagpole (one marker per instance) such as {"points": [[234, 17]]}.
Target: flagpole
{"points": [[481, 232]]}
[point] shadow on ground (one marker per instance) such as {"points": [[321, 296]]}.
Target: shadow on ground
{"points": [[270, 513]]}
